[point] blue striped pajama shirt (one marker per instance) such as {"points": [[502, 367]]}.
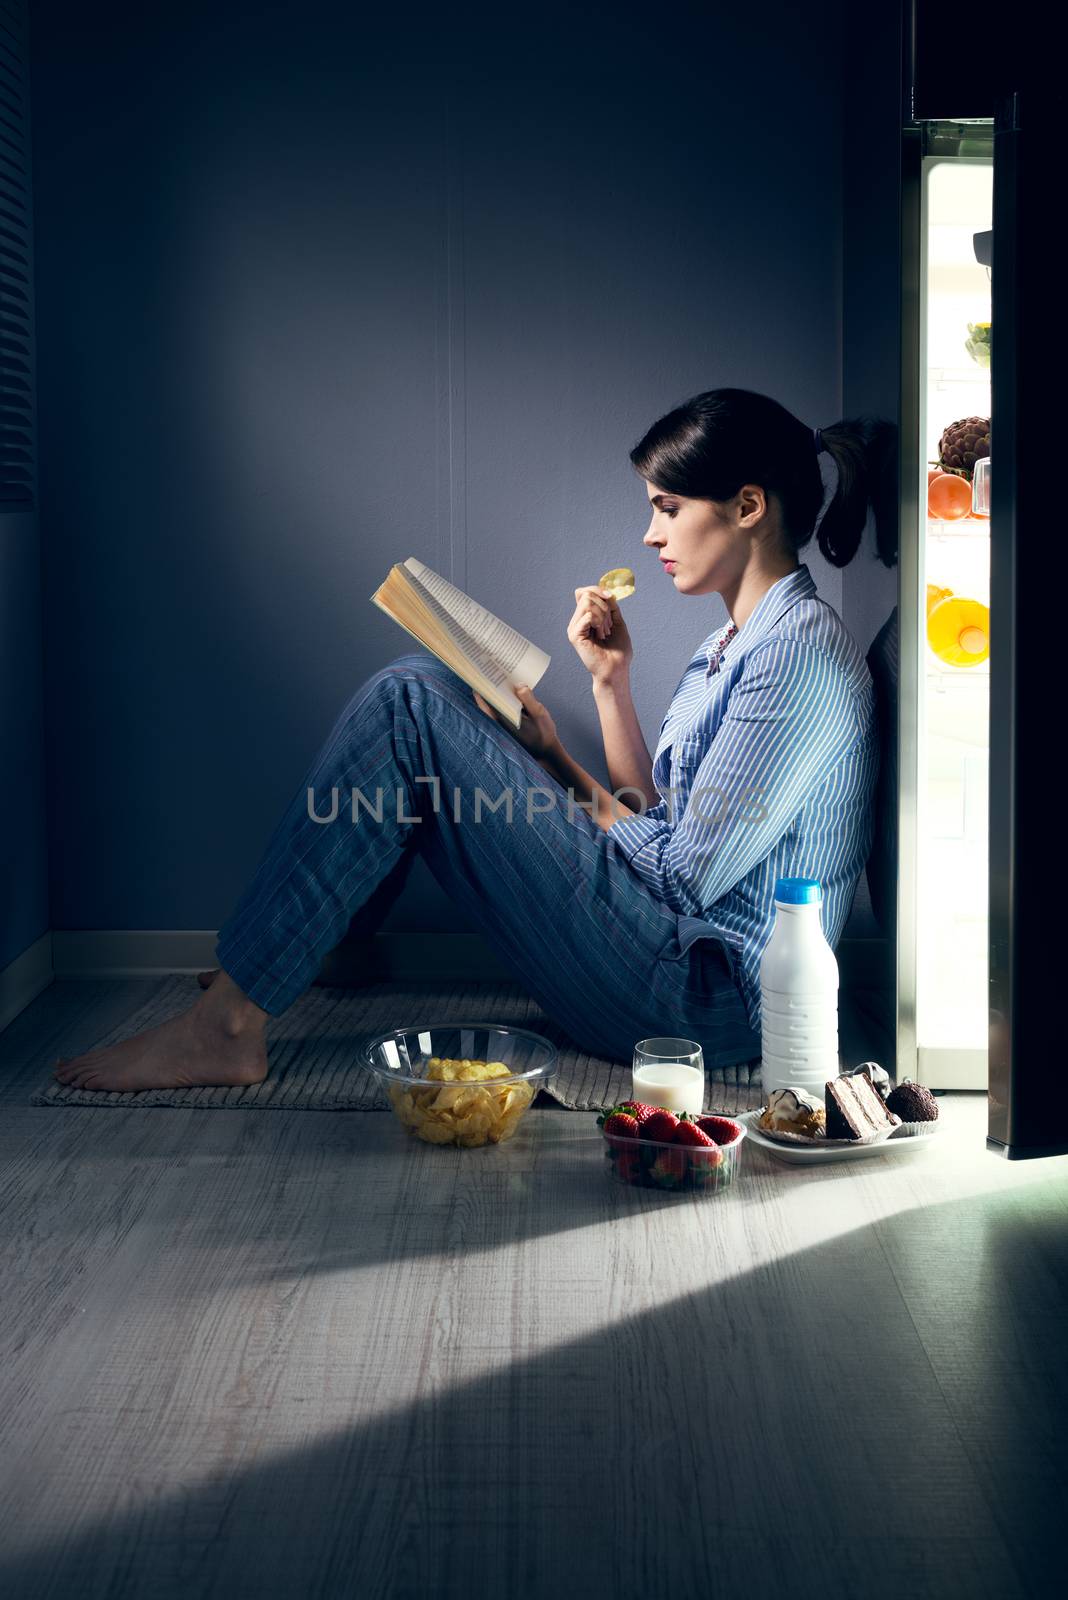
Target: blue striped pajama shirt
{"points": [[766, 766]]}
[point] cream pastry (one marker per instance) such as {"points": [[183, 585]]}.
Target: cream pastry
{"points": [[793, 1110]]}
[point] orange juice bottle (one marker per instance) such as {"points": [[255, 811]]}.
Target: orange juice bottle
{"points": [[958, 629]]}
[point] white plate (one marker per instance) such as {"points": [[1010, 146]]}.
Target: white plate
{"points": [[804, 1155]]}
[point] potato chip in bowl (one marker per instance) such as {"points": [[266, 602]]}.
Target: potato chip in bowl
{"points": [[461, 1083]]}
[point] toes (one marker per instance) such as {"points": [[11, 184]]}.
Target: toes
{"points": [[74, 1073], [87, 1079]]}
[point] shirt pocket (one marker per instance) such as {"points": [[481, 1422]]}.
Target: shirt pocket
{"points": [[686, 757]]}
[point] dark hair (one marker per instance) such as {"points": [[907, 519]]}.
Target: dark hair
{"points": [[712, 444]]}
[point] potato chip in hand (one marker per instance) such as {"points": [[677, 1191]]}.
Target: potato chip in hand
{"points": [[619, 582]]}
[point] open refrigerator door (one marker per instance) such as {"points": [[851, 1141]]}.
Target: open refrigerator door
{"points": [[953, 674]]}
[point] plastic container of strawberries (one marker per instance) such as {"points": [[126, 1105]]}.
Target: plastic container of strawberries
{"points": [[686, 1169]]}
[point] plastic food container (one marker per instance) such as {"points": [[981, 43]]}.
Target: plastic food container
{"points": [[425, 1074], [648, 1164]]}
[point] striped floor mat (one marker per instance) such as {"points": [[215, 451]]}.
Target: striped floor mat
{"points": [[314, 1050]]}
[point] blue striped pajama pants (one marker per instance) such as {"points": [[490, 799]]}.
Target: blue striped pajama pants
{"points": [[584, 935]]}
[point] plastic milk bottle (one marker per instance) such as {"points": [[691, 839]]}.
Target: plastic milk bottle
{"points": [[798, 993]]}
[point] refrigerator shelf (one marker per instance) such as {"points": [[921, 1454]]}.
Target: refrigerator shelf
{"points": [[940, 673], [968, 371], [962, 528]]}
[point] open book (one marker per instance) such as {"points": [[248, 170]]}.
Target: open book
{"points": [[481, 649]]}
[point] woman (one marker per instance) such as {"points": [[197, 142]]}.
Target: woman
{"points": [[623, 921]]}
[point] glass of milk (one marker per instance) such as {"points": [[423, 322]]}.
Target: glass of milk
{"points": [[670, 1073]]}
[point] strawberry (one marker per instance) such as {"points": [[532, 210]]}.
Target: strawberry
{"points": [[621, 1125], [659, 1127], [669, 1168], [609, 1111], [639, 1111], [629, 1166], [689, 1133], [722, 1129], [704, 1152], [703, 1176]]}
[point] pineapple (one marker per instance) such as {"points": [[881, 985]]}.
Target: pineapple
{"points": [[963, 444]]}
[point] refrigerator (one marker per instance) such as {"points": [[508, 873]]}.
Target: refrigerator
{"points": [[979, 715]]}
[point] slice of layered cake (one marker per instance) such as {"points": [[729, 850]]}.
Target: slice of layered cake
{"points": [[854, 1109]]}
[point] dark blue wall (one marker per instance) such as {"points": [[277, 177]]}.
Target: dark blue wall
{"points": [[24, 915], [318, 291], [24, 852]]}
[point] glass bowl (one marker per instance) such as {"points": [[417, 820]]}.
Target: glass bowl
{"points": [[649, 1164], [438, 1095]]}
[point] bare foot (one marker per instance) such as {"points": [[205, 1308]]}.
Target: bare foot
{"points": [[206, 979], [218, 1041]]}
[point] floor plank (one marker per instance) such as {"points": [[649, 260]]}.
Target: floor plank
{"points": [[296, 1354]]}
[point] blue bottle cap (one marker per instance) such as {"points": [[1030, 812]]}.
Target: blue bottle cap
{"points": [[798, 891]]}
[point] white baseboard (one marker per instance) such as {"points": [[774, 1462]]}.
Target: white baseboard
{"points": [[433, 954], [156, 952], [137, 953], [25, 978]]}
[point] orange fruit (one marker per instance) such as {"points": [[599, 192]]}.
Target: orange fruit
{"points": [[949, 497]]}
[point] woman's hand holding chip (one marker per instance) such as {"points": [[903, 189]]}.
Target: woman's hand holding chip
{"points": [[599, 634]]}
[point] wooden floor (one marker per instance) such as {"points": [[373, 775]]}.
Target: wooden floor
{"points": [[293, 1354]]}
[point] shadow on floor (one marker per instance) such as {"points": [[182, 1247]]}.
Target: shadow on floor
{"points": [[770, 1437]]}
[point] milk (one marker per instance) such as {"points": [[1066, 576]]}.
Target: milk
{"points": [[671, 1084], [798, 994]]}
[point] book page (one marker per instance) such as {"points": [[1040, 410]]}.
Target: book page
{"points": [[498, 651], [403, 598]]}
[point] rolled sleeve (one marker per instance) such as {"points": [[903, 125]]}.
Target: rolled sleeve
{"points": [[789, 718], [633, 833]]}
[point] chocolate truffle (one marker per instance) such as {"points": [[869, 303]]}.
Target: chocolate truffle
{"points": [[913, 1102]]}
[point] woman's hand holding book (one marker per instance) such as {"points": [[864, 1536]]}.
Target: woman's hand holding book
{"points": [[537, 731]]}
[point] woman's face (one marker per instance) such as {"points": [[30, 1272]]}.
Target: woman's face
{"points": [[708, 542]]}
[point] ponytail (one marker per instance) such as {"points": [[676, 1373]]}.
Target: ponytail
{"points": [[865, 452]]}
